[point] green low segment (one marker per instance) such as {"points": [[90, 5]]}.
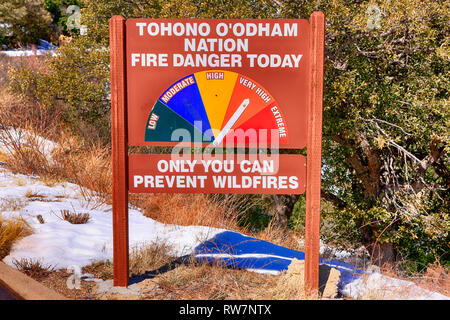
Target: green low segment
{"points": [[165, 125]]}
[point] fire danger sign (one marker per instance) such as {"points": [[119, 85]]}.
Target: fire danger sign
{"points": [[220, 86]]}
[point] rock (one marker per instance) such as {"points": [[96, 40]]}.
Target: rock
{"points": [[291, 284], [107, 287], [331, 287]]}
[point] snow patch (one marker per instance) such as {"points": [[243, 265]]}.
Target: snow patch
{"points": [[381, 287]]}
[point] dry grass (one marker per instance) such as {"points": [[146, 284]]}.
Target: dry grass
{"points": [[170, 278], [11, 230], [87, 165], [3, 157], [33, 268], [12, 204], [149, 257], [191, 209], [206, 282], [280, 236], [24, 128], [291, 283], [75, 218], [166, 277], [57, 281], [436, 277]]}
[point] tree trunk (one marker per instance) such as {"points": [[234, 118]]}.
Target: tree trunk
{"points": [[283, 205], [382, 253]]}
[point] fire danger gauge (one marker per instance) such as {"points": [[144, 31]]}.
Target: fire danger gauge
{"points": [[213, 106]]}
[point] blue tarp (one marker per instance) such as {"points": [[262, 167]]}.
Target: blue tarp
{"points": [[236, 250], [45, 45]]}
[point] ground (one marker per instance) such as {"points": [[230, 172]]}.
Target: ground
{"points": [[196, 281]]}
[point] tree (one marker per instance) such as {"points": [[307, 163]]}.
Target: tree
{"points": [[386, 116]]}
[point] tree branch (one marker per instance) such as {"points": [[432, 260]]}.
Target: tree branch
{"points": [[339, 203]]}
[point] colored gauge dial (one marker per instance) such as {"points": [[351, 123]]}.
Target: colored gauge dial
{"points": [[216, 106]]}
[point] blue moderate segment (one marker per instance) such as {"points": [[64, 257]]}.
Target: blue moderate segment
{"points": [[187, 102]]}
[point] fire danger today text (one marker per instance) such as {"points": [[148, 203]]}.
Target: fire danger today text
{"points": [[226, 45]]}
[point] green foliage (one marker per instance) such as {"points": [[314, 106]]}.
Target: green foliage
{"points": [[387, 113], [24, 82], [297, 220], [255, 220], [23, 22], [257, 215], [76, 81], [79, 78]]}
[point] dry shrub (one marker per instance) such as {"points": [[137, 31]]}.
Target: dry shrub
{"points": [[436, 277], [102, 269], [3, 157], [85, 164], [25, 126], [33, 62], [75, 218], [190, 209], [69, 158], [208, 282], [280, 236], [33, 268], [18, 106], [25, 151], [149, 257], [11, 230]]}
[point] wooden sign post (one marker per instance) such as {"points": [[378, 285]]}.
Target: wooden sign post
{"points": [[314, 151], [119, 149], [246, 83]]}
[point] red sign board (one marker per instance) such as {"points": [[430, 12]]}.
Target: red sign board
{"points": [[217, 81]]}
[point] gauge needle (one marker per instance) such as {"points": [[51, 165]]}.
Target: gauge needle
{"points": [[231, 122]]}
